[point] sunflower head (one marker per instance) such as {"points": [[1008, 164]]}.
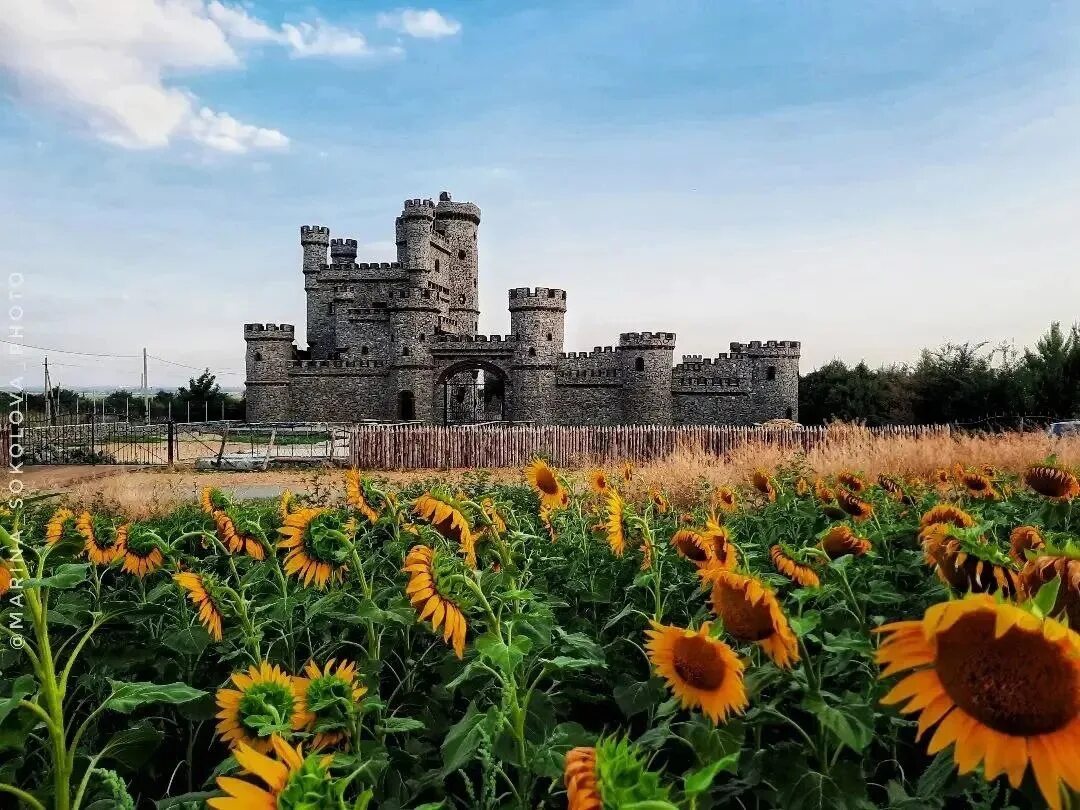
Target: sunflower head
{"points": [[726, 500], [947, 513], [750, 612], [802, 487], [430, 590], [103, 542], [1001, 683], [853, 505], [1023, 539], [891, 485], [212, 499], [447, 516], [966, 562], [202, 591], [1051, 482], [496, 523], [292, 782], [717, 540], [613, 525], [287, 504], [61, 526], [979, 486], [1048, 563], [626, 472], [611, 774], [822, 492], [691, 546], [142, 549], [941, 477], [318, 545], [598, 481], [841, 540], [546, 484], [797, 572], [332, 698], [852, 481], [703, 672], [763, 483], [659, 502], [263, 701], [358, 496]]}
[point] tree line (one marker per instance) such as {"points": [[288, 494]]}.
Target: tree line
{"points": [[976, 384]]}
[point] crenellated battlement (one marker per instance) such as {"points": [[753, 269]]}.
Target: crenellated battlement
{"points": [[647, 340], [524, 298], [442, 338], [314, 235], [269, 331], [448, 209], [768, 348], [332, 366], [418, 208], [342, 251]]}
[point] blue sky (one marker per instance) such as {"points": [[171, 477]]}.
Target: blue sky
{"points": [[869, 178]]}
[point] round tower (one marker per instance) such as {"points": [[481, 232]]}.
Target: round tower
{"points": [[537, 320], [774, 378], [342, 251], [458, 222], [646, 360], [315, 239], [413, 235], [270, 351], [414, 318]]}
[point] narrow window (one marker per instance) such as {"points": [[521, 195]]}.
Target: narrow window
{"points": [[461, 254], [258, 356], [790, 413], [405, 352], [532, 352], [421, 337], [770, 373], [549, 337], [363, 350], [436, 265], [406, 406], [639, 364]]}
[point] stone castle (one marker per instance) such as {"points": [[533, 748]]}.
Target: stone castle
{"points": [[397, 341]]}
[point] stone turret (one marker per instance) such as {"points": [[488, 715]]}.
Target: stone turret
{"points": [[315, 239], [342, 251], [413, 235], [646, 359], [774, 377], [458, 221], [537, 319], [270, 350]]}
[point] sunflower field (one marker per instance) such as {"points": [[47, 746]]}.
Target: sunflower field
{"points": [[794, 642]]}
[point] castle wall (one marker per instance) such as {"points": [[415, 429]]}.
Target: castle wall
{"points": [[712, 408], [336, 391], [596, 402]]}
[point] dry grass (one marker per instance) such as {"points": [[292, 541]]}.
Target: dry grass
{"points": [[685, 476]]}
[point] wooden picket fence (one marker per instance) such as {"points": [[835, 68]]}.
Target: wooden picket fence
{"points": [[5, 447], [414, 447]]}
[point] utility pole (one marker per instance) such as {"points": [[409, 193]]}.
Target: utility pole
{"points": [[48, 394], [146, 386]]}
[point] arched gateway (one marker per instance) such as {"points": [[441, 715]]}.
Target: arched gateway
{"points": [[469, 391]]}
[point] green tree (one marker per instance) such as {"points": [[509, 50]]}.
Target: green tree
{"points": [[203, 388], [1052, 373]]}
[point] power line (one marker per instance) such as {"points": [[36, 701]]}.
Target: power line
{"points": [[65, 351]]}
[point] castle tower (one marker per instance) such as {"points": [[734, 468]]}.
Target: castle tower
{"points": [[458, 222], [774, 377], [342, 251], [412, 232], [414, 317], [315, 239], [537, 319], [646, 360], [270, 351]]}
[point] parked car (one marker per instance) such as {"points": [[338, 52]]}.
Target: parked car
{"points": [[1059, 430]]}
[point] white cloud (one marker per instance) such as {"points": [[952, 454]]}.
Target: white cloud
{"points": [[419, 23], [111, 65]]}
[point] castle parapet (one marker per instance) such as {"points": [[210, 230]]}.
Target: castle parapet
{"points": [[314, 235], [550, 298], [269, 331], [768, 348], [647, 340], [418, 209], [448, 209], [342, 251], [474, 339]]}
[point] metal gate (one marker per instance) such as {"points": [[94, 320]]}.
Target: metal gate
{"points": [[472, 397]]}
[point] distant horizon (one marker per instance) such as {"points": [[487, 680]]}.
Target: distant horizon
{"points": [[869, 180]]}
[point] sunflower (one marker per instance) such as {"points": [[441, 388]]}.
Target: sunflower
{"points": [[751, 612], [1002, 683], [616, 533], [967, 565], [431, 599], [317, 550], [449, 520], [54, 529], [659, 502], [496, 522], [822, 492], [627, 472], [546, 484], [717, 540], [331, 697], [206, 500], [979, 486], [545, 518], [726, 500], [1062, 563], [199, 593], [580, 777], [6, 577], [1023, 539], [691, 546], [646, 551], [356, 497], [841, 540], [763, 483], [802, 488], [598, 482], [237, 541], [99, 549], [703, 672], [941, 477], [856, 507], [891, 485], [947, 513], [792, 569], [1052, 482], [266, 701], [284, 776], [287, 504], [852, 481], [142, 550]]}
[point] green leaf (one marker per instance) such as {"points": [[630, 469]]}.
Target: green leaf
{"points": [[505, 658], [936, 776], [126, 697], [187, 640], [24, 686], [186, 800], [1046, 598], [64, 577], [462, 740], [701, 780], [133, 746], [563, 662], [649, 804], [852, 725], [396, 725], [634, 698]]}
